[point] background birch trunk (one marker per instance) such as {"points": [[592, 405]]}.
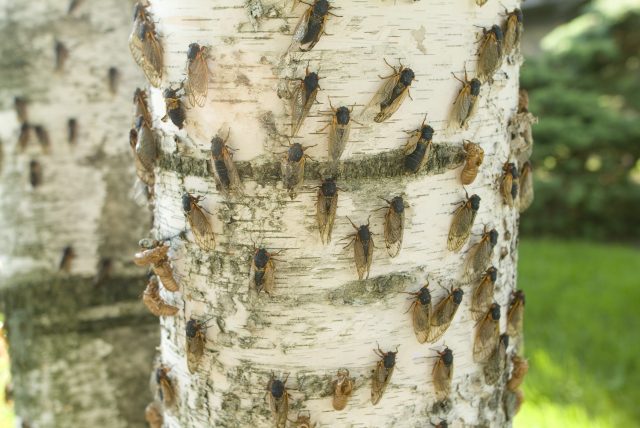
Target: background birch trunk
{"points": [[71, 333], [320, 318]]}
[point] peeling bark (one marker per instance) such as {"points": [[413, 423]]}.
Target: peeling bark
{"points": [[320, 318], [69, 289]]}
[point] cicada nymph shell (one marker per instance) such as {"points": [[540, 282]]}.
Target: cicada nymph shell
{"points": [[474, 155], [342, 389], [154, 302], [155, 254], [526, 186]]}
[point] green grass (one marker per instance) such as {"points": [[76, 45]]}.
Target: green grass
{"points": [[582, 333]]}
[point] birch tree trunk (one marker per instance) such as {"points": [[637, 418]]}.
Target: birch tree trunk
{"points": [[320, 317], [71, 325]]}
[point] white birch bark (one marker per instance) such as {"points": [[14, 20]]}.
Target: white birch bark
{"points": [[320, 317], [72, 363]]}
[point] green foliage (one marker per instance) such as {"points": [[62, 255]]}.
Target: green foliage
{"points": [[581, 335], [586, 91]]}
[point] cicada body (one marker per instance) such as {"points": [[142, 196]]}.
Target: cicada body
{"points": [[362, 249], [340, 128], [197, 85], [490, 53], [303, 98], [393, 92], [278, 401], [196, 339], [474, 155], [175, 109], [311, 26], [487, 334], [497, 362], [382, 374], [394, 226], [342, 389], [292, 167], [326, 208], [200, 225], [442, 374], [263, 271], [479, 258], [510, 183], [463, 220], [418, 149], [526, 186], [223, 166], [465, 104], [443, 314], [483, 294], [421, 309], [72, 131], [145, 47]]}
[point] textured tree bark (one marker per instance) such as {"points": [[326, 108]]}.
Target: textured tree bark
{"points": [[71, 325], [320, 318]]}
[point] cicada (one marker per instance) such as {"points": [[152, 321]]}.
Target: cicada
{"points": [[462, 223], [144, 172], [526, 186], [35, 173], [442, 374], [145, 47], [443, 314], [263, 271], [490, 53], [166, 391], [43, 138], [465, 104], [61, 55], [200, 225], [141, 108], [197, 84], [292, 167], [497, 362], [392, 92], [20, 105], [304, 421], [303, 98], [311, 26], [342, 389], [487, 334], [483, 294], [146, 149], [394, 225], [68, 254], [196, 336], [175, 109], [513, 31], [339, 132], [481, 2], [382, 373], [362, 248], [479, 257], [72, 131], [113, 78], [153, 415], [474, 155], [518, 372], [278, 400], [24, 136], [154, 302], [326, 207], [441, 424], [223, 166], [515, 314], [421, 313], [418, 149], [510, 183]]}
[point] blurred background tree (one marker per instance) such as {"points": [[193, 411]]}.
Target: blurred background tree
{"points": [[584, 87]]}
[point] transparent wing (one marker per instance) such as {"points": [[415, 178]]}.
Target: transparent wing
{"points": [[486, 340], [442, 379], [388, 111], [421, 321], [442, 316], [201, 228], [152, 59], [198, 80], [460, 227], [479, 260], [393, 232]]}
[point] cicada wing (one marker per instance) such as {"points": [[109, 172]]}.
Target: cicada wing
{"points": [[146, 147], [489, 57], [422, 321], [136, 46], [280, 410], [197, 85], [362, 257], [462, 110], [326, 215], [442, 375], [526, 189], [515, 319], [195, 350], [234, 178], [269, 279], [152, 63], [441, 318], [300, 30], [495, 365], [479, 260], [338, 137], [486, 340], [505, 189], [388, 111], [482, 298], [201, 228], [460, 228], [381, 378], [300, 107], [512, 34], [393, 232]]}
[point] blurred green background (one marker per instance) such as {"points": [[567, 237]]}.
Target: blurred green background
{"points": [[581, 278]]}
